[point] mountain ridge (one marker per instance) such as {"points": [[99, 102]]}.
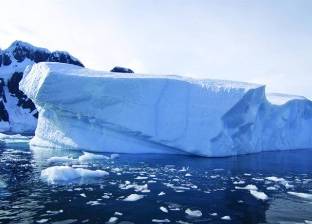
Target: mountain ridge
{"points": [[17, 111]]}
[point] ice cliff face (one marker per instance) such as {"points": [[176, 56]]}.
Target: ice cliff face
{"points": [[119, 112], [17, 112]]}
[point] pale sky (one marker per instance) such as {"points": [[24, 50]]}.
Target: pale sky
{"points": [[262, 41]]}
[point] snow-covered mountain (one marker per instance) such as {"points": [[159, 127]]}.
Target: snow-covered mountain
{"points": [[132, 113], [17, 112]]}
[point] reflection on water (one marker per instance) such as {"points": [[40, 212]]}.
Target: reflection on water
{"points": [[163, 186]]}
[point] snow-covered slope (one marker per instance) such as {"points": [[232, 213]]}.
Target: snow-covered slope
{"points": [[120, 112], [17, 112]]}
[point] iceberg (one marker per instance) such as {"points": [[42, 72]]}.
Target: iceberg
{"points": [[134, 113]]}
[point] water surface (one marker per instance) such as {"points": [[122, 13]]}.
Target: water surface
{"points": [[173, 183]]}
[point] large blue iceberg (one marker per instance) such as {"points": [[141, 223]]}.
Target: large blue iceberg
{"points": [[133, 113]]}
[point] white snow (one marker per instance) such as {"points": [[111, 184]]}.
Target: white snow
{"points": [[133, 197], [301, 195], [193, 213], [133, 113], [56, 174]]}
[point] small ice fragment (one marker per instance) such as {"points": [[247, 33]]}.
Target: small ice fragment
{"points": [[161, 193], [248, 187], [193, 213], [259, 195], [213, 214], [66, 173], [114, 156], [91, 156], [161, 220], [301, 195], [188, 175], [112, 220], [92, 203], [226, 217], [140, 178], [163, 209], [271, 188], [83, 195], [239, 182], [42, 220], [118, 214], [133, 197], [60, 159]]}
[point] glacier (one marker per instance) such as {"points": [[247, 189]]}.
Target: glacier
{"points": [[134, 113]]}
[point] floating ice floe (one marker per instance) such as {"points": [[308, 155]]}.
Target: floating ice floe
{"points": [[60, 159], [56, 174], [161, 193], [301, 195], [248, 187], [281, 181], [137, 188], [163, 209], [161, 220], [133, 197], [87, 156], [112, 220], [259, 195], [14, 140], [226, 218], [193, 213]]}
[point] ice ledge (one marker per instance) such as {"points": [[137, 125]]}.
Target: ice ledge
{"points": [[132, 113]]}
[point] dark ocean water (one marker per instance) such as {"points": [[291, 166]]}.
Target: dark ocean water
{"points": [[210, 185]]}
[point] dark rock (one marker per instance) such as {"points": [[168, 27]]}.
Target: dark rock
{"points": [[0, 58], [4, 116], [63, 57], [6, 60], [13, 86], [122, 70]]}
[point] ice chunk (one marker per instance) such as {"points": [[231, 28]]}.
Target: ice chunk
{"points": [[163, 209], [112, 220], [60, 159], [301, 195], [193, 213], [226, 218], [132, 113], [280, 180], [42, 220], [160, 220], [87, 156], [248, 187], [259, 195], [56, 174], [133, 197]]}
